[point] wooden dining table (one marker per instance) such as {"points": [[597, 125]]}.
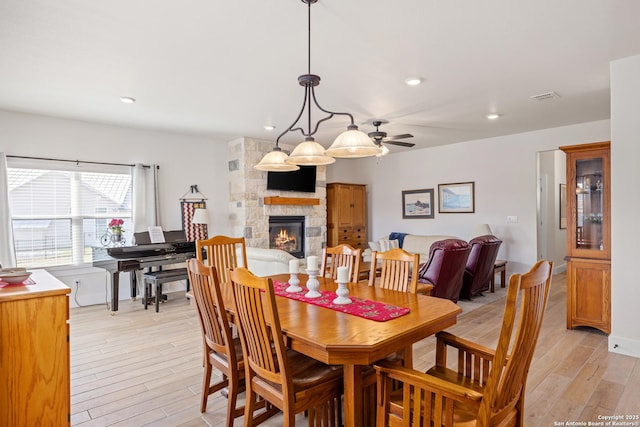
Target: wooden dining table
{"points": [[338, 338]]}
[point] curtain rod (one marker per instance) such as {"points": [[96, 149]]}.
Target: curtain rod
{"points": [[75, 161]]}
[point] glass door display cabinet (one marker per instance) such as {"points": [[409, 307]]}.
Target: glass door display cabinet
{"points": [[588, 236]]}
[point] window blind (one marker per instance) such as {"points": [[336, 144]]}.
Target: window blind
{"points": [[60, 210]]}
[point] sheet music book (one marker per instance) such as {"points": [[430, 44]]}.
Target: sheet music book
{"points": [[155, 234]]}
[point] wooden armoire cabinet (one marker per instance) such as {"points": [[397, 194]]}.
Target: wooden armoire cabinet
{"points": [[347, 214], [34, 353], [589, 236]]}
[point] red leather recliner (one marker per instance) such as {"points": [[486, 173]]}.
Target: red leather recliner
{"points": [[479, 268], [445, 267]]}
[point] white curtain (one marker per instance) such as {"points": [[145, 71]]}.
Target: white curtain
{"points": [[7, 248], [145, 197]]}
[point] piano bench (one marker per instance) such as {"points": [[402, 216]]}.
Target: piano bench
{"points": [[157, 278]]}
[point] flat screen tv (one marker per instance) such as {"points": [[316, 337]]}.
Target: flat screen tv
{"points": [[304, 180]]}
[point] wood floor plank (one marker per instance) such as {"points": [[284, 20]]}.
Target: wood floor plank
{"points": [[544, 396], [604, 399], [584, 384]]}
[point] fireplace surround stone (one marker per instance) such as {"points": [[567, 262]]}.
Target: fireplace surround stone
{"points": [[249, 216]]}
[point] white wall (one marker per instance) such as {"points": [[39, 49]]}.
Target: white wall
{"points": [[504, 170], [184, 160], [625, 205]]}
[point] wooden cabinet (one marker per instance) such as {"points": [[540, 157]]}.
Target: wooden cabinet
{"points": [[589, 236], [347, 214], [34, 353]]}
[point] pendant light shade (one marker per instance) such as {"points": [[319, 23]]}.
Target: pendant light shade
{"points": [[275, 161], [309, 152], [353, 143]]}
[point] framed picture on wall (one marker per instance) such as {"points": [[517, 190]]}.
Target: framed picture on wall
{"points": [[457, 197], [417, 203], [563, 206]]}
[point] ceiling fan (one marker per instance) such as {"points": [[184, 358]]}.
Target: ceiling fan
{"points": [[379, 138]]}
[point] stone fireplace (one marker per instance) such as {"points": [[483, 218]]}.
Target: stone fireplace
{"points": [[249, 215]]}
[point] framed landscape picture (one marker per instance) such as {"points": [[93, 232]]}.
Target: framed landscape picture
{"points": [[458, 197], [417, 203]]}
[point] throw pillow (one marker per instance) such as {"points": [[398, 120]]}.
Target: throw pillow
{"points": [[386, 244], [374, 246]]}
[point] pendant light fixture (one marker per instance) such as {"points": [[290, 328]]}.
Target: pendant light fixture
{"points": [[351, 143]]}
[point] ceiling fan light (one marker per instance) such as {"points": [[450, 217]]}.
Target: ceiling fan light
{"points": [[384, 151], [274, 161], [353, 143], [309, 152]]}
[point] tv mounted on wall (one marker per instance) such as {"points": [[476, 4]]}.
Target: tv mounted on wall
{"points": [[304, 180]]}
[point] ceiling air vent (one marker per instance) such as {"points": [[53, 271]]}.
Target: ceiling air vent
{"points": [[545, 96]]}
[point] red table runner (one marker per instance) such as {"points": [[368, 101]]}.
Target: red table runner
{"points": [[374, 310], [27, 282]]}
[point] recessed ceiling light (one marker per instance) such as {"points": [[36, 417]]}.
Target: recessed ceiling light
{"points": [[269, 127], [493, 116], [413, 81], [127, 100]]}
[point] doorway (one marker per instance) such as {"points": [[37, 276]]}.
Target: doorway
{"points": [[551, 231]]}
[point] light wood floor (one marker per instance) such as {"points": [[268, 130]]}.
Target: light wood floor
{"points": [[144, 368]]}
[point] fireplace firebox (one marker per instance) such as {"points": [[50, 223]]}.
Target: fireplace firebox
{"points": [[287, 233]]}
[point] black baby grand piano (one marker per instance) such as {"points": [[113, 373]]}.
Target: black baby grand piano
{"points": [[117, 260]]}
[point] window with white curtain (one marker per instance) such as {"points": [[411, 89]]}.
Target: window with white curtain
{"points": [[60, 210]]}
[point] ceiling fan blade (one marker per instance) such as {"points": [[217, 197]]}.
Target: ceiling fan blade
{"points": [[400, 143], [404, 135]]}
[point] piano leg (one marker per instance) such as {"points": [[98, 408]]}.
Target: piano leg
{"points": [[134, 285], [115, 290]]}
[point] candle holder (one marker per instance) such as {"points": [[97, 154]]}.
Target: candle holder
{"points": [[342, 294], [313, 285], [294, 283]]}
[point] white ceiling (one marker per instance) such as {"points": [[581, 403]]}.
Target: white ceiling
{"points": [[225, 69]]}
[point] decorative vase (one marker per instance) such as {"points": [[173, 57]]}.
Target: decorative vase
{"points": [[313, 285]]}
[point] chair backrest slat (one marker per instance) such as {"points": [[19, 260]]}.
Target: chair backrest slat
{"points": [[342, 255], [509, 371], [259, 327], [211, 312], [223, 253], [398, 270]]}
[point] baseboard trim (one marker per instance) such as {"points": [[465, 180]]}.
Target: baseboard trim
{"points": [[559, 269], [624, 346]]}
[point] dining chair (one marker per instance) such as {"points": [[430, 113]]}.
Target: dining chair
{"points": [[223, 253], [488, 387], [287, 379], [343, 255], [222, 350], [398, 270]]}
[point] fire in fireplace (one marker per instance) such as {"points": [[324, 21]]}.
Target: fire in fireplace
{"points": [[287, 233]]}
